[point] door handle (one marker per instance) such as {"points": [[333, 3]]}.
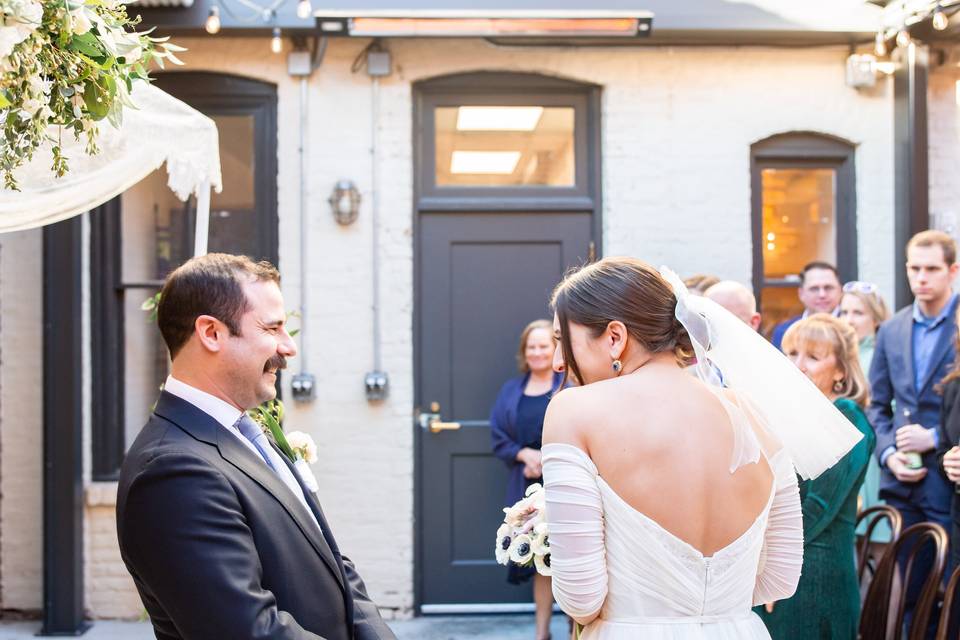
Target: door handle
{"points": [[436, 426], [433, 423]]}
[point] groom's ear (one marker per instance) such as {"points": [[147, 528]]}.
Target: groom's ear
{"points": [[210, 332], [616, 338]]}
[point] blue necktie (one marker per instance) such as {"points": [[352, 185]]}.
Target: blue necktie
{"points": [[252, 432]]}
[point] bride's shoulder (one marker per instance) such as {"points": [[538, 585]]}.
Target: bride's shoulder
{"points": [[565, 417]]}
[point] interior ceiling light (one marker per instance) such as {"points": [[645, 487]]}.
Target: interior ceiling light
{"points": [[484, 162], [903, 38], [304, 9], [212, 25], [276, 42], [487, 24], [940, 20], [880, 44], [498, 118]]}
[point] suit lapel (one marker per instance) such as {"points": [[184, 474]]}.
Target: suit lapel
{"points": [[906, 344], [234, 452], [203, 427]]}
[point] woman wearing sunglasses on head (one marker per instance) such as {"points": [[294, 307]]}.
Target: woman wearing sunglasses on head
{"points": [[863, 308]]}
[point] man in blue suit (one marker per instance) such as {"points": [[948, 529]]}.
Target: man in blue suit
{"points": [[819, 292], [914, 351]]}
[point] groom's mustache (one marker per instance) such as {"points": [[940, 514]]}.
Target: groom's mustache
{"points": [[276, 362]]}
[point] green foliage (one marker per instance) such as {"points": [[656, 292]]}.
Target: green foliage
{"points": [[71, 65]]}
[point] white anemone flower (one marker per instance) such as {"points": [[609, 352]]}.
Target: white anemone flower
{"points": [[521, 549], [536, 486], [542, 564], [504, 540], [541, 541]]}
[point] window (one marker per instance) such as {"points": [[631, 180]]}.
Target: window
{"points": [[147, 232], [803, 210]]}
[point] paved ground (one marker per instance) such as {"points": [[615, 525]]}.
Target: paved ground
{"points": [[513, 627]]}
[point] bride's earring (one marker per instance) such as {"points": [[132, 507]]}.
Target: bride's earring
{"points": [[838, 386], [617, 366]]}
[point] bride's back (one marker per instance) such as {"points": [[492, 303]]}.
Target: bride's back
{"points": [[662, 441]]}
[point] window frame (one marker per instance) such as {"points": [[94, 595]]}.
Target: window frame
{"points": [[212, 94], [805, 150]]}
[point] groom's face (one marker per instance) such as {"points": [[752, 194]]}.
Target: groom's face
{"points": [[255, 357]]}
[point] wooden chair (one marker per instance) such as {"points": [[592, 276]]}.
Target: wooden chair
{"points": [[873, 517], [947, 617], [874, 619]]}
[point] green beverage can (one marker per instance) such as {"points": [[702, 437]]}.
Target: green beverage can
{"points": [[914, 460]]}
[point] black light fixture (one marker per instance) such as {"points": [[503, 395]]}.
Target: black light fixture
{"points": [[345, 202]]}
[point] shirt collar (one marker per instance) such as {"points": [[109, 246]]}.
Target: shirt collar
{"points": [[930, 323], [835, 313], [221, 411]]}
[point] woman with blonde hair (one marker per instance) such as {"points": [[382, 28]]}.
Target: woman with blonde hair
{"points": [[827, 601], [516, 429], [863, 308]]}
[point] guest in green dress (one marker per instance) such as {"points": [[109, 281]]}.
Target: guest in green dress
{"points": [[863, 308], [827, 602]]}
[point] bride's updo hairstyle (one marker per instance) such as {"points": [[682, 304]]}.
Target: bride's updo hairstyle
{"points": [[624, 289]]}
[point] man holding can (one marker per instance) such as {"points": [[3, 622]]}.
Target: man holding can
{"points": [[914, 351]]}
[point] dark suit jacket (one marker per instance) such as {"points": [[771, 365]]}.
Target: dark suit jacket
{"points": [[776, 338], [219, 547], [950, 435], [892, 379]]}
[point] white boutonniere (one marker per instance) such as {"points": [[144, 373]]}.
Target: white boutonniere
{"points": [[305, 454]]}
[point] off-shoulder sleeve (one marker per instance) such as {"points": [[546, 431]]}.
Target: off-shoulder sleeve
{"points": [[575, 524], [782, 555]]}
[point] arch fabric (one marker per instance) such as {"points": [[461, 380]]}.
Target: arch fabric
{"points": [[161, 129]]}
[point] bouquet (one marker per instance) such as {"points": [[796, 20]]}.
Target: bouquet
{"points": [[65, 66], [522, 538]]}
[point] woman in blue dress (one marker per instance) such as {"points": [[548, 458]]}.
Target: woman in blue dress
{"points": [[516, 426]]}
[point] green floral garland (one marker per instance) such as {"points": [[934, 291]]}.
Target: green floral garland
{"points": [[65, 65]]}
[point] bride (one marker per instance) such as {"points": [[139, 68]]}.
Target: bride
{"points": [[672, 499]]}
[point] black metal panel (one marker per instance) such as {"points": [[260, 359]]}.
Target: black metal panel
{"points": [[62, 430], [106, 332], [911, 172]]}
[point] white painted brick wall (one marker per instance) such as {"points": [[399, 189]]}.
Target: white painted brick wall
{"points": [[677, 125], [944, 148]]}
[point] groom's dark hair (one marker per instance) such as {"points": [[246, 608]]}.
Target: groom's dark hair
{"points": [[210, 285]]}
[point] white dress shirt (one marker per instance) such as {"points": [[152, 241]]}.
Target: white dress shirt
{"points": [[228, 415]]}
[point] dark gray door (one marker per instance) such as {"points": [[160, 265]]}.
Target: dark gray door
{"points": [[480, 279]]}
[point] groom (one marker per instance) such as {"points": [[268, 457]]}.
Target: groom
{"points": [[220, 534]]}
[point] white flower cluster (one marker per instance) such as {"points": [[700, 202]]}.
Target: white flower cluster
{"points": [[18, 20], [523, 537], [303, 445]]}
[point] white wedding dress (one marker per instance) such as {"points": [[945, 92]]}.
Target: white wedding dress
{"points": [[609, 558]]}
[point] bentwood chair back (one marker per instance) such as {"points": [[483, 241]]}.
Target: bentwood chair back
{"points": [[874, 619]]}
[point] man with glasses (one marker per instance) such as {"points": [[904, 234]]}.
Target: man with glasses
{"points": [[819, 292], [914, 351]]}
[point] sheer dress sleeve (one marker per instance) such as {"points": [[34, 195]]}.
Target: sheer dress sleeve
{"points": [[782, 555], [575, 524]]}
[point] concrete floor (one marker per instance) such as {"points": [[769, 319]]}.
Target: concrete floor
{"points": [[512, 627]]}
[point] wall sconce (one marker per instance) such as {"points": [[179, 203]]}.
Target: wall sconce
{"points": [[345, 202]]}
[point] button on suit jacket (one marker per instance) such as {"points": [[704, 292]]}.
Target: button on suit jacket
{"points": [[219, 547]]}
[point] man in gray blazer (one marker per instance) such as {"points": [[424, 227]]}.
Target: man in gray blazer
{"points": [[222, 537]]}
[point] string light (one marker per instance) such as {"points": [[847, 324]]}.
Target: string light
{"points": [[880, 44], [940, 20], [304, 9], [212, 25], [903, 38], [276, 43]]}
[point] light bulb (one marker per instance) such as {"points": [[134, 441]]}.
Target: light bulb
{"points": [[880, 44], [940, 20], [304, 9], [276, 43], [212, 25], [903, 38]]}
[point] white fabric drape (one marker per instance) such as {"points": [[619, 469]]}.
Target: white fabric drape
{"points": [[160, 130]]}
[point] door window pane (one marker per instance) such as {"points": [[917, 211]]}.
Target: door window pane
{"points": [[799, 227], [504, 146], [799, 220]]}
